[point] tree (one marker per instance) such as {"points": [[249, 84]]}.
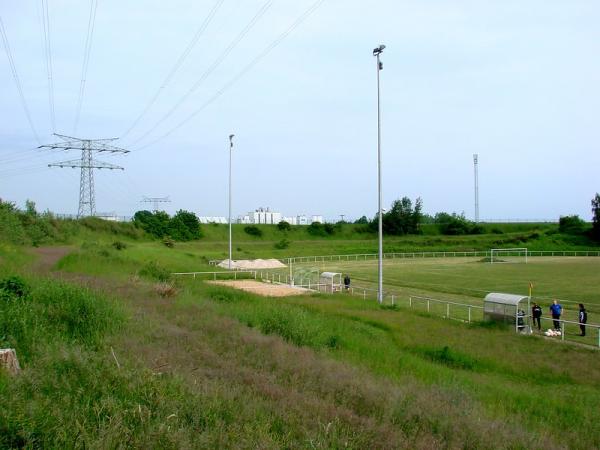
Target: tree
{"points": [[596, 217], [188, 225], [362, 221], [402, 218]]}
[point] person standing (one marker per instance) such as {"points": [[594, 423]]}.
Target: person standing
{"points": [[347, 282], [536, 313], [556, 310], [582, 319]]}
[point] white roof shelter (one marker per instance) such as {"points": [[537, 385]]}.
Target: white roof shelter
{"points": [[330, 281], [506, 307]]}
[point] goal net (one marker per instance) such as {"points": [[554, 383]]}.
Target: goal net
{"points": [[508, 255]]}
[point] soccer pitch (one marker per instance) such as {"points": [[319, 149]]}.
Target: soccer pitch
{"points": [[571, 280]]}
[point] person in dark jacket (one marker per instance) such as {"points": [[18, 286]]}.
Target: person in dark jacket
{"points": [[536, 313], [347, 282], [582, 318], [556, 310]]}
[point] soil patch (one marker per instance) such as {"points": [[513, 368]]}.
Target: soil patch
{"points": [[265, 289]]}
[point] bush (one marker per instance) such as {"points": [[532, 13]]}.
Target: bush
{"points": [[571, 225], [320, 229], [168, 242], [284, 226], [14, 286], [253, 230], [155, 271], [119, 245], [282, 244], [455, 224]]}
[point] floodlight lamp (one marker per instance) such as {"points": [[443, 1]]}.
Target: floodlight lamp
{"points": [[378, 50]]}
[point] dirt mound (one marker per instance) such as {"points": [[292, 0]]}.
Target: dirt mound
{"points": [[250, 264]]}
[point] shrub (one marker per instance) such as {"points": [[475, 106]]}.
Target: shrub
{"points": [[455, 224], [14, 286], [282, 244], [253, 230], [571, 225], [168, 242], [319, 229], [155, 271], [119, 245], [284, 226]]}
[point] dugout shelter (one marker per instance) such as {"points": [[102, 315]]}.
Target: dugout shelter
{"points": [[508, 308], [330, 282]]}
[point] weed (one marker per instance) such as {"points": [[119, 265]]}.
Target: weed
{"points": [[165, 290]]}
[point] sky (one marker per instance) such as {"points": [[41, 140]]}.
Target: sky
{"points": [[516, 82]]}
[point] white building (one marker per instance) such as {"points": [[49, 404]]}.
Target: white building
{"points": [[263, 216], [302, 220], [292, 220], [318, 219], [210, 219]]}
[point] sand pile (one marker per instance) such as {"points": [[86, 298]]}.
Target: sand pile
{"points": [[252, 264]]}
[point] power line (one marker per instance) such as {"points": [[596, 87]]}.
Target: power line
{"points": [[86, 60], [241, 73], [15, 75], [210, 69], [45, 19], [177, 65]]}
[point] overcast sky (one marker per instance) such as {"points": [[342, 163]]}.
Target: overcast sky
{"points": [[517, 82]]}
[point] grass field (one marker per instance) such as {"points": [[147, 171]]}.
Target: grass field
{"points": [[209, 366]]}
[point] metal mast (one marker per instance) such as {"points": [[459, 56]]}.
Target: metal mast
{"points": [[87, 163], [476, 174], [376, 53], [155, 201]]}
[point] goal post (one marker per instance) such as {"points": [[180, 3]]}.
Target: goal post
{"points": [[508, 255]]}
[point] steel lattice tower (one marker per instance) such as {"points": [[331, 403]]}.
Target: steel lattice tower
{"points": [[87, 164], [155, 201]]}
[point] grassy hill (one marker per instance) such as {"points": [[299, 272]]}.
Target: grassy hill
{"points": [[116, 352]]}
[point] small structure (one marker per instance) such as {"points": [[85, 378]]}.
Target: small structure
{"points": [[330, 282], [508, 308]]}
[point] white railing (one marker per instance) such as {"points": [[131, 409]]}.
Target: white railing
{"points": [[563, 327], [462, 311], [410, 255], [215, 275]]}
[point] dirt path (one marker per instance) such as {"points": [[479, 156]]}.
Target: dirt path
{"points": [[49, 256]]}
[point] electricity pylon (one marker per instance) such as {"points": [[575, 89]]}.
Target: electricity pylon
{"points": [[155, 201], [87, 163]]}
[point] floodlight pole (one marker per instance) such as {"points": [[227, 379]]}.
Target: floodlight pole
{"points": [[376, 53], [230, 152]]}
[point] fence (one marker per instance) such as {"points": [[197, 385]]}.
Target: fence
{"points": [[447, 309], [423, 255], [216, 275], [589, 339]]}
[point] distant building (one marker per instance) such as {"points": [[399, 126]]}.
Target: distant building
{"points": [[302, 220], [292, 220], [318, 219], [215, 219], [264, 216]]}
